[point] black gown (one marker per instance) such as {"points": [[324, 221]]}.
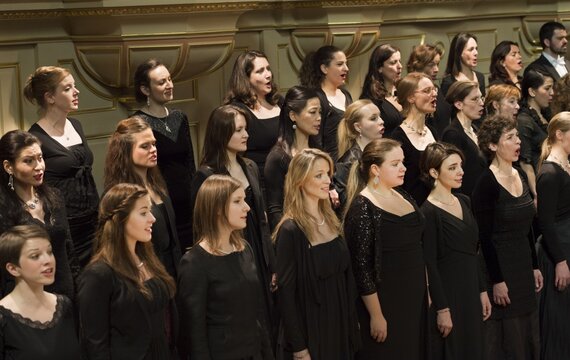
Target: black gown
{"points": [[553, 189], [387, 258], [164, 240], [176, 164], [275, 171], [508, 247], [25, 339], [69, 171], [316, 297], [412, 181], [330, 118], [451, 254]]}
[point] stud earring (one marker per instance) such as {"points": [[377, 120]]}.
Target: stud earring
{"points": [[11, 182], [294, 126]]}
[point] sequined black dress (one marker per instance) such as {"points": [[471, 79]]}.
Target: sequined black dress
{"points": [[387, 258]]}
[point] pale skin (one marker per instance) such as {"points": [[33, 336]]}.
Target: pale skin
{"points": [[561, 150], [421, 103], [335, 76], [449, 176], [260, 79], [395, 67], [506, 152], [28, 298]]}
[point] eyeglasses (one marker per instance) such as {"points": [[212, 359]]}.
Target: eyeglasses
{"points": [[429, 90], [477, 99]]}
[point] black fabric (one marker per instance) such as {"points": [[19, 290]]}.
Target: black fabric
{"points": [[412, 181], [474, 164], [25, 339], [370, 229], [220, 307], [342, 170], [507, 242], [513, 338], [70, 171], [176, 164], [118, 321], [330, 118], [276, 169], [544, 66], [164, 236], [316, 296], [532, 133], [451, 253]]}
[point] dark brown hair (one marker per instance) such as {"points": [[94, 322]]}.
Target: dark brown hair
{"points": [[12, 241], [490, 133], [433, 157], [373, 87], [142, 78]]}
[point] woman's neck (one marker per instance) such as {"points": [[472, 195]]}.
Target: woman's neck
{"points": [[464, 120], [389, 88], [312, 206], [232, 160], [329, 88], [533, 104], [25, 192], [156, 109], [301, 141], [468, 72], [503, 166], [513, 76], [142, 172], [28, 295], [362, 142], [558, 152], [416, 119], [55, 118], [441, 192]]}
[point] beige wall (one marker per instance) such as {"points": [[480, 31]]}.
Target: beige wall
{"points": [[101, 42]]}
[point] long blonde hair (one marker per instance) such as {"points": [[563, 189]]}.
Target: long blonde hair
{"points": [[347, 133], [211, 212], [294, 203], [560, 121]]}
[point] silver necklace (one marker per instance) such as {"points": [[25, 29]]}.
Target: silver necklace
{"points": [[422, 132], [165, 118], [32, 204], [564, 166], [318, 223], [453, 198]]}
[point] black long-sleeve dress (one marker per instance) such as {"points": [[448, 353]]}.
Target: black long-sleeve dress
{"points": [[276, 169], [220, 307], [507, 242], [553, 194], [165, 237], [474, 163], [451, 254], [316, 296], [176, 164], [532, 134], [387, 258], [412, 181], [25, 339], [69, 171], [342, 172]]}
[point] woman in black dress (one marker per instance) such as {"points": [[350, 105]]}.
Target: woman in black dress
{"points": [[34, 324], [384, 70], [226, 138], [451, 245], [299, 125], [461, 64], [383, 229], [360, 125], [154, 88], [537, 92], [504, 210], [132, 158], [221, 308], [506, 63], [326, 71], [425, 58], [66, 153], [418, 97], [553, 190], [316, 293], [26, 200], [467, 106], [253, 89], [124, 292]]}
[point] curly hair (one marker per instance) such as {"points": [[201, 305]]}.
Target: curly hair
{"points": [[421, 56], [433, 157], [561, 100], [490, 133]]}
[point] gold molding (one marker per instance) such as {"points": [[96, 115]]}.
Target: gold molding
{"points": [[208, 7]]}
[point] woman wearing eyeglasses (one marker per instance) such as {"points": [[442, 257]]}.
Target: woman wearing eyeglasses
{"points": [[418, 96]]}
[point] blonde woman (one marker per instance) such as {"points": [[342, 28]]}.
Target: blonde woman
{"points": [[316, 287]]}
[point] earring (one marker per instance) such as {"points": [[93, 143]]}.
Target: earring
{"points": [[376, 180], [359, 134], [11, 182], [294, 126], [435, 183], [148, 101]]}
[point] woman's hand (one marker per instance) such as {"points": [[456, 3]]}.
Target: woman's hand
{"points": [[561, 275], [501, 294], [273, 284], [486, 305], [335, 200], [302, 355], [378, 328], [444, 323], [538, 280]]}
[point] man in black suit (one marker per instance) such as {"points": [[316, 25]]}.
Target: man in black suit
{"points": [[554, 43]]}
